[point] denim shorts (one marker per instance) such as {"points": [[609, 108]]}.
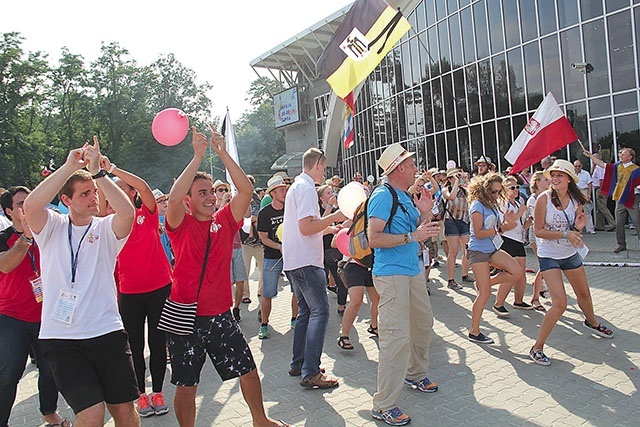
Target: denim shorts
{"points": [[271, 269], [456, 227], [238, 270], [571, 263]]}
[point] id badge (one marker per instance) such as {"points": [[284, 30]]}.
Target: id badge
{"points": [[583, 251], [425, 257], [66, 306], [36, 285], [497, 241]]}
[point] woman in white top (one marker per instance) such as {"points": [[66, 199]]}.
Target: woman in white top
{"points": [[513, 244], [558, 217]]}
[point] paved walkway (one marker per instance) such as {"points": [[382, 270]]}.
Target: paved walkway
{"points": [[591, 381]]}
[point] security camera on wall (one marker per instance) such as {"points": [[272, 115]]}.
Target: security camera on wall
{"points": [[578, 65]]}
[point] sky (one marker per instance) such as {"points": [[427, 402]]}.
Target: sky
{"points": [[215, 39]]}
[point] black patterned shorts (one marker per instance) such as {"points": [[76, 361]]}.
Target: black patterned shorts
{"points": [[219, 337]]}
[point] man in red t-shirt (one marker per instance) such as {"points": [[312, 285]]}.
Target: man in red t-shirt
{"points": [[216, 332], [21, 311]]}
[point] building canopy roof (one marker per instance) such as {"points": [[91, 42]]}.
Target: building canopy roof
{"points": [[300, 53]]}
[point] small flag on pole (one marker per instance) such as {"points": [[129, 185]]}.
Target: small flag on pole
{"points": [[230, 142], [368, 32], [546, 132]]}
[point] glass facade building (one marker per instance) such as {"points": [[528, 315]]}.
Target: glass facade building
{"points": [[469, 74]]}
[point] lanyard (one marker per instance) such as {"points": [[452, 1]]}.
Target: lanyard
{"points": [[569, 223], [31, 253], [74, 256], [516, 205]]}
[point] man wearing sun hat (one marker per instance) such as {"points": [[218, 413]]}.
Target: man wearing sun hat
{"points": [[405, 316], [482, 164], [269, 219]]}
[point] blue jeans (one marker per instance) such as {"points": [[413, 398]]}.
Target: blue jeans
{"points": [[310, 286], [16, 338]]}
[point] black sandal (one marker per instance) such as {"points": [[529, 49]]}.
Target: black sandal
{"points": [[372, 330], [537, 305], [343, 343]]}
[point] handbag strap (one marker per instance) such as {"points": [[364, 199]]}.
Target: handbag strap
{"points": [[204, 263]]}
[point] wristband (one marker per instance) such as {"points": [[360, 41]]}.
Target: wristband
{"points": [[100, 174], [26, 239], [112, 168], [564, 234], [410, 237]]}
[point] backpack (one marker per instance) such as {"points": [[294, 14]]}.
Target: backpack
{"points": [[359, 248]]}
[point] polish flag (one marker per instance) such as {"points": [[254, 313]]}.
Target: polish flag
{"points": [[545, 133]]}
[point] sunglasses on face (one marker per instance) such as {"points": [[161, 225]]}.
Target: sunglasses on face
{"points": [[512, 187], [162, 201], [222, 190], [494, 192]]}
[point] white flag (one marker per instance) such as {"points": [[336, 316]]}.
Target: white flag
{"points": [[232, 149]]}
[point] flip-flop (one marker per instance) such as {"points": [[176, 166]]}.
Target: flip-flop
{"points": [[246, 300], [64, 423], [537, 305], [283, 424]]}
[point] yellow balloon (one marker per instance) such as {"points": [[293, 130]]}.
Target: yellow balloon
{"points": [[279, 232]]}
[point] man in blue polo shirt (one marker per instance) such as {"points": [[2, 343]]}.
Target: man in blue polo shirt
{"points": [[405, 317]]}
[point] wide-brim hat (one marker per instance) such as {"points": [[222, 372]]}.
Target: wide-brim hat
{"points": [[336, 177], [562, 165], [219, 183], [275, 182], [452, 172], [392, 156], [483, 159]]}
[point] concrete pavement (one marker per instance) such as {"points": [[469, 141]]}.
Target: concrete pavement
{"points": [[591, 381]]}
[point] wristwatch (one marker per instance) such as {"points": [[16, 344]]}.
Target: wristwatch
{"points": [[100, 174]]}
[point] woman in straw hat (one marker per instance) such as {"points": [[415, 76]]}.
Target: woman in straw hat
{"points": [[558, 219]]}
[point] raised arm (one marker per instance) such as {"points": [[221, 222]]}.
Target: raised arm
{"points": [[141, 186], [175, 208], [124, 210], [35, 204], [594, 159], [240, 201]]}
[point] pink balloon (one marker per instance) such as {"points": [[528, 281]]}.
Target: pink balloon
{"points": [[170, 127], [342, 241]]}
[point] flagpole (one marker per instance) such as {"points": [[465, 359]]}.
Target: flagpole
{"points": [[580, 142]]}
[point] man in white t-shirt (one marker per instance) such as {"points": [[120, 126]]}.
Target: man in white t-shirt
{"points": [[303, 259], [82, 334]]}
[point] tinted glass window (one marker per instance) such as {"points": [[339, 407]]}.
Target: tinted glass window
{"points": [[447, 96], [467, 36], [415, 61], [464, 152], [516, 81], [441, 8], [627, 134], [452, 5], [511, 27], [406, 66], [596, 54], [567, 12], [625, 102], [430, 11], [600, 107], [460, 97], [472, 94], [500, 85], [456, 42], [490, 143], [438, 113], [480, 22], [504, 140], [428, 108], [486, 89], [441, 150], [528, 19], [452, 146], [621, 51], [425, 61], [602, 139], [547, 14], [577, 116], [551, 66], [430, 145], [445, 54], [590, 8], [613, 5], [433, 51], [533, 75], [495, 25], [421, 22], [477, 144], [572, 52]]}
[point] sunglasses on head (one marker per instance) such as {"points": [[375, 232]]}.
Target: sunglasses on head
{"points": [[220, 190]]}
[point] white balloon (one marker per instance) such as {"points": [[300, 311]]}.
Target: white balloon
{"points": [[371, 178], [246, 225], [350, 197], [451, 164]]}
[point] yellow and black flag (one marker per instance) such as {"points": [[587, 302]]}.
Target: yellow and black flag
{"points": [[369, 30]]}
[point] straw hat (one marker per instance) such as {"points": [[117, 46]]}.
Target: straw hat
{"points": [[392, 156], [275, 182], [483, 159], [562, 166], [452, 172], [219, 183]]}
